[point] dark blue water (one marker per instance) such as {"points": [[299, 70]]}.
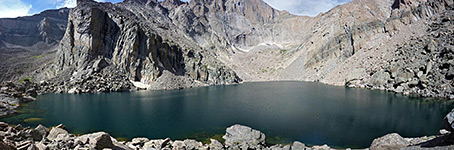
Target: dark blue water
{"points": [[312, 113]]}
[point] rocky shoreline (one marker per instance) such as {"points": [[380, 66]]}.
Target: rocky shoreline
{"points": [[12, 95], [236, 137]]}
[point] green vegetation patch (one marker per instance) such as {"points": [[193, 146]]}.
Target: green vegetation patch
{"points": [[219, 138], [33, 120], [282, 51], [25, 79], [121, 139], [37, 57]]}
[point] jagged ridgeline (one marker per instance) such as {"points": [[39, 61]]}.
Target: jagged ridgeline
{"points": [[173, 44]]}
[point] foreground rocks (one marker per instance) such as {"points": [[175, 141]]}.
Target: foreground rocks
{"points": [[41, 138], [236, 137]]}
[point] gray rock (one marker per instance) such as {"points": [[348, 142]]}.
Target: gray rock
{"points": [[280, 147], [419, 74], [39, 133], [100, 64], [215, 145], [243, 135], [389, 142], [56, 131], [157, 144], [298, 146], [399, 89], [138, 142], [192, 144], [429, 67], [178, 145], [323, 147], [99, 140], [432, 46], [380, 78], [448, 121], [443, 132]]}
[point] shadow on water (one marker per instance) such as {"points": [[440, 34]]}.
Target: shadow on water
{"points": [[312, 113]]}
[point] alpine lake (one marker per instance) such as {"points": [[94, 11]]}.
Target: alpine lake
{"points": [[312, 113]]}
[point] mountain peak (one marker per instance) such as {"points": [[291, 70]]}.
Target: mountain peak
{"points": [[141, 1], [78, 2]]}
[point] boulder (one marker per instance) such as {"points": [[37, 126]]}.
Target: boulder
{"points": [[192, 144], [298, 145], [448, 121], [389, 142], [157, 144], [178, 145], [100, 64], [54, 132], [404, 76], [281, 147], [215, 145], [98, 140], [323, 147], [380, 78], [137, 142], [243, 135], [39, 133]]}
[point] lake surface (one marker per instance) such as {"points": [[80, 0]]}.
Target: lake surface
{"points": [[312, 113]]}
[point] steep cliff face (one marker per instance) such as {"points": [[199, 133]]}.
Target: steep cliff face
{"points": [[130, 43], [27, 43]]}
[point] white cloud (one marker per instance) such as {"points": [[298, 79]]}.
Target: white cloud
{"points": [[70, 3], [13, 8], [305, 7]]}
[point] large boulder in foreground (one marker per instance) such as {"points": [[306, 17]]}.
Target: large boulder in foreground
{"points": [[56, 131], [98, 140], [243, 135], [448, 121], [389, 142]]}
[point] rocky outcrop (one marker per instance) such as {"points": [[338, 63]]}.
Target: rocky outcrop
{"points": [[13, 95], [133, 49]]}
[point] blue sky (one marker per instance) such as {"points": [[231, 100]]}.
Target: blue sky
{"points": [[15, 8]]}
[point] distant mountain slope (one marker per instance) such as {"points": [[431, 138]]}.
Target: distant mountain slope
{"points": [[26, 43]]}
